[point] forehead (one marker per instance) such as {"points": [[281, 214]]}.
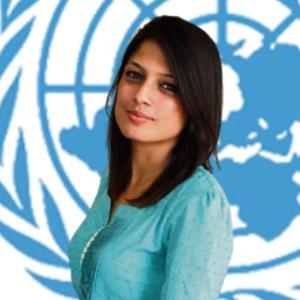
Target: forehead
{"points": [[149, 53]]}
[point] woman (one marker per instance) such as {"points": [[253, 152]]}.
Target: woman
{"points": [[160, 226]]}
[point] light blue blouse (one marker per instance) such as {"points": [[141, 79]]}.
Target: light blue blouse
{"points": [[176, 249]]}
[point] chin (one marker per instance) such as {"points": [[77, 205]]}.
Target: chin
{"points": [[133, 135]]}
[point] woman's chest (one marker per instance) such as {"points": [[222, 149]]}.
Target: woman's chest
{"points": [[132, 234], [128, 250]]}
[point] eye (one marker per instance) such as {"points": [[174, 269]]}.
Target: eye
{"points": [[170, 87], [133, 75]]}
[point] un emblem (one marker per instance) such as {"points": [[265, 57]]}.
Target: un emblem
{"points": [[58, 59]]}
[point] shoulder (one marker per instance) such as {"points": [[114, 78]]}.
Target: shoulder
{"points": [[201, 183], [198, 208], [104, 174], [198, 194], [101, 190], [103, 180]]}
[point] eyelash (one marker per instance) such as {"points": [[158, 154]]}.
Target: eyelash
{"points": [[137, 76]]}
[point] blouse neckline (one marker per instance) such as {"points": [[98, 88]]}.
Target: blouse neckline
{"points": [[121, 207]]}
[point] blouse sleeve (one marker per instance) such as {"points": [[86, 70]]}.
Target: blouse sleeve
{"points": [[199, 248]]}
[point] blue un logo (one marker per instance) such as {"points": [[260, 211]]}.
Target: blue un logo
{"points": [[57, 64]]}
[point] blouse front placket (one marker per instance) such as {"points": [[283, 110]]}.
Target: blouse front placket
{"points": [[103, 236]]}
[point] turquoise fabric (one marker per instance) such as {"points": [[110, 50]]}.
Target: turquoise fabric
{"points": [[176, 249]]}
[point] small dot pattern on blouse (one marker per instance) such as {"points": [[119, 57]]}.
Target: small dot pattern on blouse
{"points": [[177, 249]]}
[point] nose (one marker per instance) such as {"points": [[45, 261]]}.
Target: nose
{"points": [[144, 93]]}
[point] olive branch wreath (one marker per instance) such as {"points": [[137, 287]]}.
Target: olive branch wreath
{"points": [[30, 247]]}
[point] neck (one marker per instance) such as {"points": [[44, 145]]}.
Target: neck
{"points": [[148, 161]]}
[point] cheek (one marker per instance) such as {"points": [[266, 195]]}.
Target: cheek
{"points": [[171, 110], [121, 98], [120, 94], [124, 99]]}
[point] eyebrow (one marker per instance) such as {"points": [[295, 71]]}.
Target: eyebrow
{"points": [[141, 67]]}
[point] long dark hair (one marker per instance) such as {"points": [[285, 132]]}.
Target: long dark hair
{"points": [[195, 62]]}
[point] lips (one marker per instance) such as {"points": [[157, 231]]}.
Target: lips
{"points": [[140, 115]]}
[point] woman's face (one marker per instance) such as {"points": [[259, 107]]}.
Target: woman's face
{"points": [[148, 87]]}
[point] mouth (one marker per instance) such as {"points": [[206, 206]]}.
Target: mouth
{"points": [[138, 118], [140, 115]]}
